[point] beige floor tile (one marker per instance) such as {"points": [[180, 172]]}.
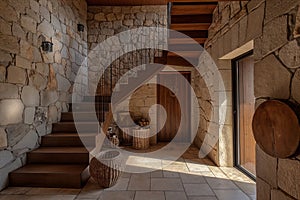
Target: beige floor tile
{"points": [[149, 195], [248, 188], [168, 174], [157, 174], [192, 178], [222, 184], [139, 182], [15, 190], [122, 184], [197, 167], [198, 190], [202, 198], [175, 195], [44, 191], [117, 195], [50, 197], [126, 175], [166, 184], [231, 195]]}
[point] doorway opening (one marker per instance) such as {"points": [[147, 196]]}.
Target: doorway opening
{"points": [[173, 109], [243, 111]]}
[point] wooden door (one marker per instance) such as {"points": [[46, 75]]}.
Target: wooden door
{"points": [[245, 111], [171, 104]]}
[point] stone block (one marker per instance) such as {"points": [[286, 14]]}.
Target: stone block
{"points": [[7, 12], [6, 170], [275, 8], [30, 96], [263, 189], [296, 86], [100, 17], [272, 79], [26, 50], [29, 115], [9, 43], [35, 6], [29, 141], [2, 74], [62, 83], [3, 139], [46, 28], [290, 54], [266, 168], [289, 177], [279, 195], [9, 91], [5, 27], [23, 62], [38, 81], [48, 97], [42, 68], [28, 23], [16, 132], [11, 111], [5, 158], [18, 31], [52, 114], [255, 23], [275, 35]]}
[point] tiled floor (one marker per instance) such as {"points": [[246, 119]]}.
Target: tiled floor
{"points": [[188, 178]]}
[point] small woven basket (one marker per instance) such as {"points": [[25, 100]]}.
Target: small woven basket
{"points": [[106, 168]]}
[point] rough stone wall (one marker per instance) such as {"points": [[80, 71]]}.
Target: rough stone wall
{"points": [[106, 21], [274, 26], [35, 87]]}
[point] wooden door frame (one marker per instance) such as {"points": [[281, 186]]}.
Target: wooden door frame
{"points": [[158, 93], [236, 112]]}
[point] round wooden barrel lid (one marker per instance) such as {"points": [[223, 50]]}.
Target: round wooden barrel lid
{"points": [[276, 129]]}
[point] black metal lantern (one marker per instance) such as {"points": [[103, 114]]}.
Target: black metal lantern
{"points": [[47, 46], [80, 27]]}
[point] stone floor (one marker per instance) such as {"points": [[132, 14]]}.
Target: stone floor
{"points": [[189, 178]]}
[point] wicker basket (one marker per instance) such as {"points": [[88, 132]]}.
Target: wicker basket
{"points": [[106, 168], [126, 137], [141, 139]]}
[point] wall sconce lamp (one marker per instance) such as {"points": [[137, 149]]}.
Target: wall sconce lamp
{"points": [[80, 27], [47, 46]]}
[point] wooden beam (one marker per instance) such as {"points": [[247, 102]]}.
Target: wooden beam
{"points": [[190, 27], [193, 9]]}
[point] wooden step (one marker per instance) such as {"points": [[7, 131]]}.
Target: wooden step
{"points": [[179, 61], [52, 176], [187, 54], [88, 106], [192, 34], [69, 127], [82, 117], [59, 155], [183, 19], [185, 47], [68, 140], [190, 26], [193, 9], [175, 41]]}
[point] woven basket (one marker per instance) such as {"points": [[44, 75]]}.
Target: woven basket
{"points": [[106, 168], [141, 139]]}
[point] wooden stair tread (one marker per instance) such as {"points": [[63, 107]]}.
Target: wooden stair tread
{"points": [[193, 9], [186, 40], [189, 54], [71, 135], [51, 168], [64, 150]]}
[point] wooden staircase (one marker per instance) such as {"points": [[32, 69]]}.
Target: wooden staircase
{"points": [[62, 160], [193, 19]]}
